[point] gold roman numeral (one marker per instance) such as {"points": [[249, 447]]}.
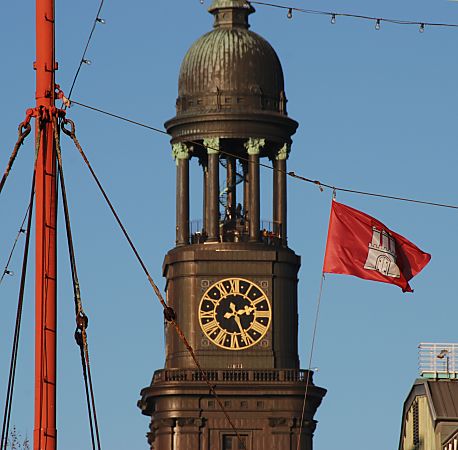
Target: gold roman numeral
{"points": [[220, 338], [259, 300], [213, 300], [235, 286], [222, 290], [234, 341], [207, 314], [248, 290], [210, 327], [258, 327], [262, 314], [248, 339]]}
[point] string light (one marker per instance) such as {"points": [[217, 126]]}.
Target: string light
{"points": [[377, 24], [22, 230], [83, 59], [290, 13], [201, 2], [333, 16], [422, 28]]}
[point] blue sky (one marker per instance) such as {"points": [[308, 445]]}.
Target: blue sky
{"points": [[377, 112]]}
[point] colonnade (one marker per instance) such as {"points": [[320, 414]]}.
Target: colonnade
{"points": [[249, 154]]}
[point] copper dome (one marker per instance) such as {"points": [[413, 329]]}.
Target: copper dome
{"points": [[231, 71]]}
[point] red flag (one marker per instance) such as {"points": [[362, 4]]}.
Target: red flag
{"points": [[362, 246]]}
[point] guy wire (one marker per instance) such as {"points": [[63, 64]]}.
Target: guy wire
{"points": [[169, 313], [288, 173]]}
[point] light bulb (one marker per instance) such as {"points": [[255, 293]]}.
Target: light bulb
{"points": [[377, 24], [290, 13], [201, 2], [86, 61], [333, 19], [100, 20], [422, 28]]}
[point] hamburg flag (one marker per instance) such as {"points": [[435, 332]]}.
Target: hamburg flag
{"points": [[362, 246]]}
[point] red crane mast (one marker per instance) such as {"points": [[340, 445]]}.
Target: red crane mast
{"points": [[46, 217]]}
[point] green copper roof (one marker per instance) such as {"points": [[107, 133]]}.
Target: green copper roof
{"points": [[231, 60], [231, 83]]}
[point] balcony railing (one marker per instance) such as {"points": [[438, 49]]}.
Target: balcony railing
{"points": [[438, 360], [233, 376], [451, 443], [237, 231]]}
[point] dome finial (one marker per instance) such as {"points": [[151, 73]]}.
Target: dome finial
{"points": [[231, 13]]}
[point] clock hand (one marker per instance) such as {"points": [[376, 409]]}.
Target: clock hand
{"points": [[228, 315], [247, 310], [239, 324]]}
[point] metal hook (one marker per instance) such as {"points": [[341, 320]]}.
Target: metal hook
{"points": [[70, 132]]}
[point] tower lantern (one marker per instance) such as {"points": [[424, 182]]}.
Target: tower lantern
{"points": [[231, 278]]}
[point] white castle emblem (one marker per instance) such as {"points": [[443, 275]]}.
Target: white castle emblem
{"points": [[382, 254]]}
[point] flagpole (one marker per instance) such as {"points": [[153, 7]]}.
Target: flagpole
{"points": [[312, 348]]}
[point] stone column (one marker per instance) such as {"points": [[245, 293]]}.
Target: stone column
{"points": [[253, 146], [164, 434], [181, 155], [203, 161], [212, 193], [279, 193], [231, 186], [307, 430], [246, 193], [188, 433], [281, 433]]}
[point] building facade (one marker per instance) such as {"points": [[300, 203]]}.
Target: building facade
{"points": [[430, 413], [232, 278]]}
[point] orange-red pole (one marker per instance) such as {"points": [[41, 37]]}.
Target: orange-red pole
{"points": [[46, 216]]}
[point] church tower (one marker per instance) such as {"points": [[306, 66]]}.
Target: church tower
{"points": [[231, 278]]}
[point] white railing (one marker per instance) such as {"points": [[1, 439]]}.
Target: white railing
{"points": [[438, 360], [451, 443], [234, 375]]}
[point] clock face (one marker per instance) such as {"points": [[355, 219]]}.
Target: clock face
{"points": [[235, 313]]}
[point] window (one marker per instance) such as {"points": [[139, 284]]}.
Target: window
{"points": [[232, 442], [228, 441]]}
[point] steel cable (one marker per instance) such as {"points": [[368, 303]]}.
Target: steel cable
{"points": [[83, 57], [333, 15], [291, 174], [81, 318], [17, 329], [23, 131], [6, 270], [169, 313], [312, 348]]}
